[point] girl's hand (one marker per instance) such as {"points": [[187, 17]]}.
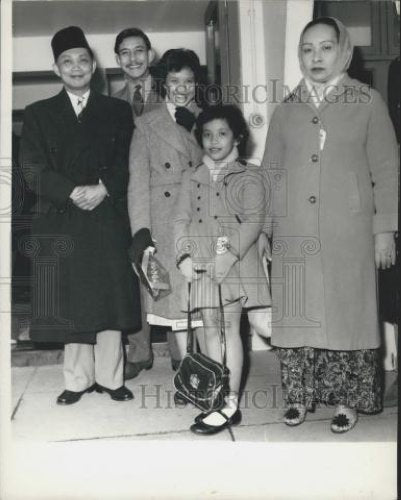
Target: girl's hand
{"points": [[186, 268], [222, 265], [384, 250]]}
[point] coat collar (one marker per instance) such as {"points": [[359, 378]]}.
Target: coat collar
{"points": [[65, 112], [202, 172], [164, 126], [302, 95]]}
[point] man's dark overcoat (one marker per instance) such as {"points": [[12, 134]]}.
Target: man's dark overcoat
{"points": [[82, 280]]}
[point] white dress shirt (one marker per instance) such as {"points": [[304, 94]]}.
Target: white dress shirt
{"points": [[76, 99]]}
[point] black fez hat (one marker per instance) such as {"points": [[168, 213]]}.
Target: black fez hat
{"points": [[69, 38]]}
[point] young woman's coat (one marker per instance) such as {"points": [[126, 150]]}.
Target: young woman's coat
{"points": [[327, 207], [161, 151]]}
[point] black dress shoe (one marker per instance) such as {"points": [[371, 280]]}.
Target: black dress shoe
{"points": [[199, 427], [120, 394], [179, 400], [175, 364], [70, 397], [132, 370]]}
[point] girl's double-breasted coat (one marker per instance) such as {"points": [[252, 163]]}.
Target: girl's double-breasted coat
{"points": [[82, 282], [161, 151], [335, 178], [234, 207]]}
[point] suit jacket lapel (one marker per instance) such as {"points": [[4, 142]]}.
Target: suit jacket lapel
{"points": [[63, 111], [153, 101], [123, 94]]}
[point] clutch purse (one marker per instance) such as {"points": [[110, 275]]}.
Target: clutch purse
{"points": [[154, 276], [199, 379]]}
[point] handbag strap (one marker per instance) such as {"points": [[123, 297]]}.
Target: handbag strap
{"points": [[223, 343], [222, 334], [190, 330]]}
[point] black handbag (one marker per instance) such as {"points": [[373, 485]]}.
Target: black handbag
{"points": [[199, 379]]}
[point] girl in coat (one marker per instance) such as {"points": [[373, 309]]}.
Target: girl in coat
{"points": [[334, 147], [163, 147], [220, 216]]}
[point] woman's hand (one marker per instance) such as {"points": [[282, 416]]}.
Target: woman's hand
{"points": [[384, 250], [222, 265], [186, 268], [88, 197]]}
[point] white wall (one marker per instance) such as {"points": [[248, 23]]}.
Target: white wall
{"points": [[34, 54], [263, 39], [253, 73], [299, 13]]}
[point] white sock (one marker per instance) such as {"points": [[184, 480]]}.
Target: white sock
{"points": [[228, 409]]}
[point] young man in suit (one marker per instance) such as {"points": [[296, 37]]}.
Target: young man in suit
{"points": [[74, 153], [134, 54]]}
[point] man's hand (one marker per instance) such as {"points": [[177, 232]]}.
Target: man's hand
{"points": [[88, 197], [384, 250]]}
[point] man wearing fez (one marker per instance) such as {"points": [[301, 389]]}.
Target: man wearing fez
{"points": [[134, 55], [74, 152]]}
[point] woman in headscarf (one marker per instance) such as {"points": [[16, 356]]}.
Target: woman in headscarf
{"points": [[332, 150]]}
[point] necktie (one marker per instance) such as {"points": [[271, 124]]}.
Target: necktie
{"points": [[81, 107], [184, 117], [137, 101]]}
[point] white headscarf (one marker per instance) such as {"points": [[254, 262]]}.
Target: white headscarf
{"points": [[341, 65], [345, 53]]}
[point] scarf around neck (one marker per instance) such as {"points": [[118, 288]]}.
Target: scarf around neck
{"points": [[218, 168]]}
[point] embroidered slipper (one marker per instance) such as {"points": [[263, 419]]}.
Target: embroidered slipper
{"points": [[344, 419], [295, 414]]}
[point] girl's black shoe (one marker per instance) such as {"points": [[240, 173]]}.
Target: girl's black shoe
{"points": [[200, 427]]}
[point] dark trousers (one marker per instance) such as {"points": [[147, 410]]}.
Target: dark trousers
{"points": [[139, 343]]}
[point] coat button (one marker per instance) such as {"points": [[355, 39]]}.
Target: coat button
{"points": [[315, 158], [198, 185], [198, 209], [167, 165], [190, 163], [315, 120], [200, 221], [312, 199], [215, 216], [198, 197], [167, 194], [217, 194]]}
